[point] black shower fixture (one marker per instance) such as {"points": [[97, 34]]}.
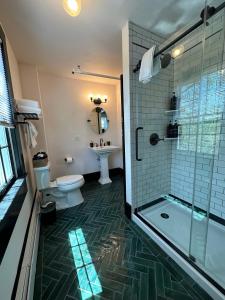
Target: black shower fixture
{"points": [[207, 12], [165, 60], [154, 139]]}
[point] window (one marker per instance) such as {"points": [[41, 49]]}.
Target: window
{"points": [[201, 108], [11, 163], [13, 187], [7, 173], [6, 111]]}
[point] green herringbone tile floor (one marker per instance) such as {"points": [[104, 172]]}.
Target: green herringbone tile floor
{"points": [[94, 252]]}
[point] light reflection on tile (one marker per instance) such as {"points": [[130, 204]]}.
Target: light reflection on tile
{"points": [[9, 197], [89, 283], [199, 216]]}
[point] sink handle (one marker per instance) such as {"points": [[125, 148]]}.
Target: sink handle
{"points": [[136, 141]]}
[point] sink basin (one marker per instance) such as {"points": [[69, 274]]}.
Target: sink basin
{"points": [[103, 153], [105, 149]]}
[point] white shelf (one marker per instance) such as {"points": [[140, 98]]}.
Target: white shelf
{"points": [[170, 139], [171, 111]]}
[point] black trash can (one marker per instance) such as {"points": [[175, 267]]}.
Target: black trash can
{"points": [[48, 213]]}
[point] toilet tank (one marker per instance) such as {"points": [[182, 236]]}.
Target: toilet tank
{"points": [[42, 175]]}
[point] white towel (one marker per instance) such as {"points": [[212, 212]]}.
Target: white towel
{"points": [[32, 134], [26, 109], [28, 102], [150, 66]]}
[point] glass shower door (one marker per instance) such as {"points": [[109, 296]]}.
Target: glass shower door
{"points": [[208, 134], [179, 184], [165, 174]]}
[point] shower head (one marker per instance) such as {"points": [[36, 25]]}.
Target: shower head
{"points": [[165, 60], [207, 12]]}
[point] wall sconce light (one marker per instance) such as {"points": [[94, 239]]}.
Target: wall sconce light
{"points": [[98, 100]]}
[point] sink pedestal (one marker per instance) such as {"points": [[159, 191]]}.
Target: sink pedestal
{"points": [[104, 169], [103, 154]]}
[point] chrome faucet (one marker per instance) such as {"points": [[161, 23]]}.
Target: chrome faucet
{"points": [[101, 142]]}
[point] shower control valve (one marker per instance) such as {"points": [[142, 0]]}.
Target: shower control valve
{"points": [[154, 139]]}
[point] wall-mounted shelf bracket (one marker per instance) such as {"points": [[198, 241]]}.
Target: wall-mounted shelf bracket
{"points": [[26, 116]]}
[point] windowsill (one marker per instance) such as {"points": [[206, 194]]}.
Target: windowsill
{"points": [[10, 207]]}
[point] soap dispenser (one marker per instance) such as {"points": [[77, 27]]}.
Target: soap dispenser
{"points": [[170, 129], [175, 129], [173, 102]]}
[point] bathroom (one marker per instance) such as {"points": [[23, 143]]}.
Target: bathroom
{"points": [[112, 164], [68, 107]]}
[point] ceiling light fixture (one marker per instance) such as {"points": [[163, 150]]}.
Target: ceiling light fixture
{"points": [[72, 7], [177, 51]]}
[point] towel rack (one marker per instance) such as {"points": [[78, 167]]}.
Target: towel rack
{"points": [[26, 116]]}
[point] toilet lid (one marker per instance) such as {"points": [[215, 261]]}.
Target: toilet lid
{"points": [[65, 180]]}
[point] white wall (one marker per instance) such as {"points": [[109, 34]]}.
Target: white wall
{"points": [[31, 90], [66, 109]]}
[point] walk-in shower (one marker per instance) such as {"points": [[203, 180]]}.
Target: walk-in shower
{"points": [[179, 180]]}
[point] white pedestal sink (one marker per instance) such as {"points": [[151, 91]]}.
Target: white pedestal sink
{"points": [[103, 153]]}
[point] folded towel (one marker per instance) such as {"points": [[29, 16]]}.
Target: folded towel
{"points": [[150, 66], [26, 109], [28, 102], [32, 134]]}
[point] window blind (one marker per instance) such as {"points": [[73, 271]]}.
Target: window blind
{"points": [[6, 111]]}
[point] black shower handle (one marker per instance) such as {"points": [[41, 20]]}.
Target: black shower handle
{"points": [[136, 140]]}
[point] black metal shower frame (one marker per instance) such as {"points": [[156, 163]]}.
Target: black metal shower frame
{"points": [[206, 13]]}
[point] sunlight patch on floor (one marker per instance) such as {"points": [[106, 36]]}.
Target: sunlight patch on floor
{"points": [[89, 282]]}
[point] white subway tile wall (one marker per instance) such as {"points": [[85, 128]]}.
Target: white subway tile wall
{"points": [[152, 176]]}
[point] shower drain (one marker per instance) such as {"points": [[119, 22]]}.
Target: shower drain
{"points": [[165, 216]]}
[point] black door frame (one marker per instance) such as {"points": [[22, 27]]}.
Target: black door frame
{"points": [[127, 206]]}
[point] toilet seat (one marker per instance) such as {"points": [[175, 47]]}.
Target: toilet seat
{"points": [[69, 180]]}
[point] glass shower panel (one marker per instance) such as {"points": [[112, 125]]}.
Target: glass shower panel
{"points": [[208, 187], [165, 175], [188, 87], [179, 182], [187, 69]]}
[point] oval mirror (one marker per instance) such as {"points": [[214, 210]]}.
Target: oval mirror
{"points": [[98, 120]]}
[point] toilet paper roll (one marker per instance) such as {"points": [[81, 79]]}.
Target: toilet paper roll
{"points": [[68, 160]]}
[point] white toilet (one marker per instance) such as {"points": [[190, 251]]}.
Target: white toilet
{"points": [[65, 190]]}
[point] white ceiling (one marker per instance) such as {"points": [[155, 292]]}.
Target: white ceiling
{"points": [[42, 33]]}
